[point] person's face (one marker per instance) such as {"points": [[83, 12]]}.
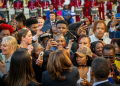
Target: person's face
{"points": [[51, 7], [98, 49], [81, 60], [84, 42], [61, 42], [117, 49], [83, 32], [66, 7], [40, 22], [4, 33], [13, 20], [28, 38], [52, 17], [54, 29], [34, 27], [45, 41], [100, 29], [112, 16], [110, 55], [62, 28], [18, 25], [87, 21], [5, 49], [1, 18], [38, 50]]}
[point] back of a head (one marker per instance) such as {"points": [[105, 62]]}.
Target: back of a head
{"points": [[31, 21], [21, 18], [59, 61], [21, 71], [100, 67], [108, 47]]}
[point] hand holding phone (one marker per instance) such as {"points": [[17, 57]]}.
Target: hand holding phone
{"points": [[114, 69], [70, 36]]}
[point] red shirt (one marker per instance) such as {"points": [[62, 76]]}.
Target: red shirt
{"points": [[18, 4], [31, 5], [4, 3], [60, 2], [45, 4], [38, 3]]}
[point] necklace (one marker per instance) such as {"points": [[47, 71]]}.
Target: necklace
{"points": [[83, 73]]}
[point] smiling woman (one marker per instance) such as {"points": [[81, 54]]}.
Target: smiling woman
{"points": [[8, 46], [99, 29]]}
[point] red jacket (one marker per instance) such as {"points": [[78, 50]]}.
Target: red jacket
{"points": [[86, 3], [38, 3], [93, 3], [53, 1], [60, 3], [17, 4], [45, 4], [4, 3], [76, 3], [31, 5], [101, 5]]}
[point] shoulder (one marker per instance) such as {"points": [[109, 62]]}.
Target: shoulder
{"points": [[108, 39], [32, 83], [45, 72], [74, 69]]}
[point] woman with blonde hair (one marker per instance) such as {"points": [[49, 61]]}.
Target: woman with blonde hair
{"points": [[8, 46], [40, 22], [21, 72], [60, 71]]}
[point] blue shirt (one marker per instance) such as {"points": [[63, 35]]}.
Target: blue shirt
{"points": [[48, 13], [65, 13], [7, 64]]}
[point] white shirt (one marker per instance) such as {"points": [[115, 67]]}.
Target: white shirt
{"points": [[96, 83], [52, 22], [105, 39], [88, 78]]}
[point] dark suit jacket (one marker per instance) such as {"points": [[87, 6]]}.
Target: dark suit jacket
{"points": [[71, 79], [48, 22], [107, 84]]}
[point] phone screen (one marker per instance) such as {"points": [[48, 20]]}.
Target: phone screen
{"points": [[1, 58], [117, 15], [114, 69], [84, 22]]}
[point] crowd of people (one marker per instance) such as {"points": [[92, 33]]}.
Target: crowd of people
{"points": [[58, 51]]}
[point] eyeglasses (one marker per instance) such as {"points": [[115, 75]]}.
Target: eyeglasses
{"points": [[110, 57]]}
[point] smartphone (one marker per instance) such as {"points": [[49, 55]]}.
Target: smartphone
{"points": [[84, 22], [1, 58], [117, 55], [117, 15], [46, 27], [70, 35], [114, 69], [40, 56]]}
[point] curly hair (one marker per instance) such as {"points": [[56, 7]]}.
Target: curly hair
{"points": [[6, 27], [96, 23]]}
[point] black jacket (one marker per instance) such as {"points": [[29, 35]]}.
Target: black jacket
{"points": [[48, 22], [107, 84], [71, 79]]}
